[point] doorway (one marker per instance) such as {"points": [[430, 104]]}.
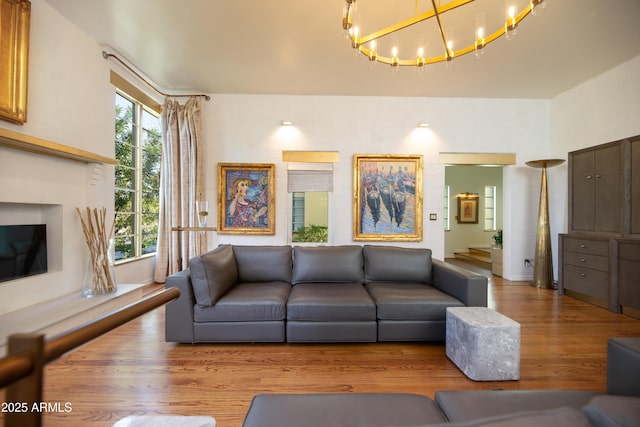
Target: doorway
{"points": [[472, 238]]}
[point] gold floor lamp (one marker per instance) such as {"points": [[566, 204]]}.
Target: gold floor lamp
{"points": [[543, 262]]}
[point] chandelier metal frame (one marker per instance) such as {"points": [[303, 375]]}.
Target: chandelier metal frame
{"points": [[358, 41]]}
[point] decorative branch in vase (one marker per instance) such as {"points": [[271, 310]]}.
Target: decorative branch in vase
{"points": [[100, 244]]}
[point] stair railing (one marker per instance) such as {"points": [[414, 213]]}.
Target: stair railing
{"points": [[21, 371]]}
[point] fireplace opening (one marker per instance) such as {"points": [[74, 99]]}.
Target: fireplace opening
{"points": [[23, 251]]}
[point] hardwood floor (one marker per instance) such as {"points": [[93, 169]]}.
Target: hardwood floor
{"points": [[132, 371]]}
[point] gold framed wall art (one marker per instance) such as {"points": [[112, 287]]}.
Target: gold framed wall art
{"points": [[15, 17], [387, 197], [246, 198], [468, 208]]}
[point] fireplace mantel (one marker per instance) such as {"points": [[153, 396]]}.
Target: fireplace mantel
{"points": [[33, 144]]}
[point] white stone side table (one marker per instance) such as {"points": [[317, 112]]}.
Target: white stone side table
{"points": [[483, 343]]}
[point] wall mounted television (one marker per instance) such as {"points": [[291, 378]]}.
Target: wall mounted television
{"points": [[23, 251]]}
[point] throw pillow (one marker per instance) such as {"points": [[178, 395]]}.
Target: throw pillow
{"points": [[213, 274]]}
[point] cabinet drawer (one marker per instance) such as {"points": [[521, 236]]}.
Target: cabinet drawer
{"points": [[594, 262], [587, 281], [585, 246], [629, 251]]}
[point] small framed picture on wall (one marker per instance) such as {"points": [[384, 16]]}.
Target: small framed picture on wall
{"points": [[467, 208]]}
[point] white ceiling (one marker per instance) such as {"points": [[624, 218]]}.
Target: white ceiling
{"points": [[298, 47]]}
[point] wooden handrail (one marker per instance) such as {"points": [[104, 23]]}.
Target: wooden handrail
{"points": [[22, 369], [14, 368], [61, 344]]}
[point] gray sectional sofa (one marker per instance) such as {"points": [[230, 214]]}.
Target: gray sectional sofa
{"points": [[619, 407], [317, 294]]}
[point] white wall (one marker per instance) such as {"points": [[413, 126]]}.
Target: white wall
{"points": [[245, 128], [70, 101], [603, 109]]}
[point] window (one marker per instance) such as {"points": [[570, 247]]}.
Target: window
{"points": [[138, 141], [310, 217], [490, 208], [297, 210], [310, 185], [447, 201]]}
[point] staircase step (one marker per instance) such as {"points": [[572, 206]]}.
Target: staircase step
{"points": [[481, 259], [481, 251]]}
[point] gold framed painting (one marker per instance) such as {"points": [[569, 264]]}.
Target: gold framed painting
{"points": [[387, 197], [246, 198], [15, 17], [468, 208]]}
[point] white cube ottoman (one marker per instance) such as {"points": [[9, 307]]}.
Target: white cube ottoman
{"points": [[166, 421], [483, 343]]}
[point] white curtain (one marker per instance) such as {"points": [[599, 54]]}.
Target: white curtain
{"points": [[181, 184]]}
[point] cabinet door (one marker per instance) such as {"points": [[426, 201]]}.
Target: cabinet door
{"points": [[583, 190], [635, 187], [629, 271], [608, 189]]}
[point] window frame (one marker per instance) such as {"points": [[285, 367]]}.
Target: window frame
{"points": [[309, 177], [138, 148], [490, 204], [447, 208]]}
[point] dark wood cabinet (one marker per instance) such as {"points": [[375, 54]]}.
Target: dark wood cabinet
{"points": [[585, 265], [629, 276], [635, 187], [597, 195], [599, 258]]}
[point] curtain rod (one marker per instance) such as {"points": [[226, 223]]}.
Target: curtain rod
{"points": [[106, 55]]}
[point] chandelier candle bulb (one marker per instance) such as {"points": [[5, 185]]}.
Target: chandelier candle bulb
{"points": [[354, 38], [511, 24], [537, 7], [480, 42], [372, 51], [420, 58], [394, 57], [346, 22]]}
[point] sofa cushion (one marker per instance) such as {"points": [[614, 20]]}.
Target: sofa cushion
{"points": [[394, 264], [263, 263], [213, 274], [558, 417], [613, 411], [410, 301], [328, 264], [467, 405], [330, 302], [247, 302], [342, 409]]}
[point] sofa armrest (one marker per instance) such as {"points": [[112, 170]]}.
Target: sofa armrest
{"points": [[179, 312], [623, 366], [467, 286]]}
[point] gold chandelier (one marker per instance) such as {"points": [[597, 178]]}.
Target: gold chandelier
{"points": [[444, 47]]}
